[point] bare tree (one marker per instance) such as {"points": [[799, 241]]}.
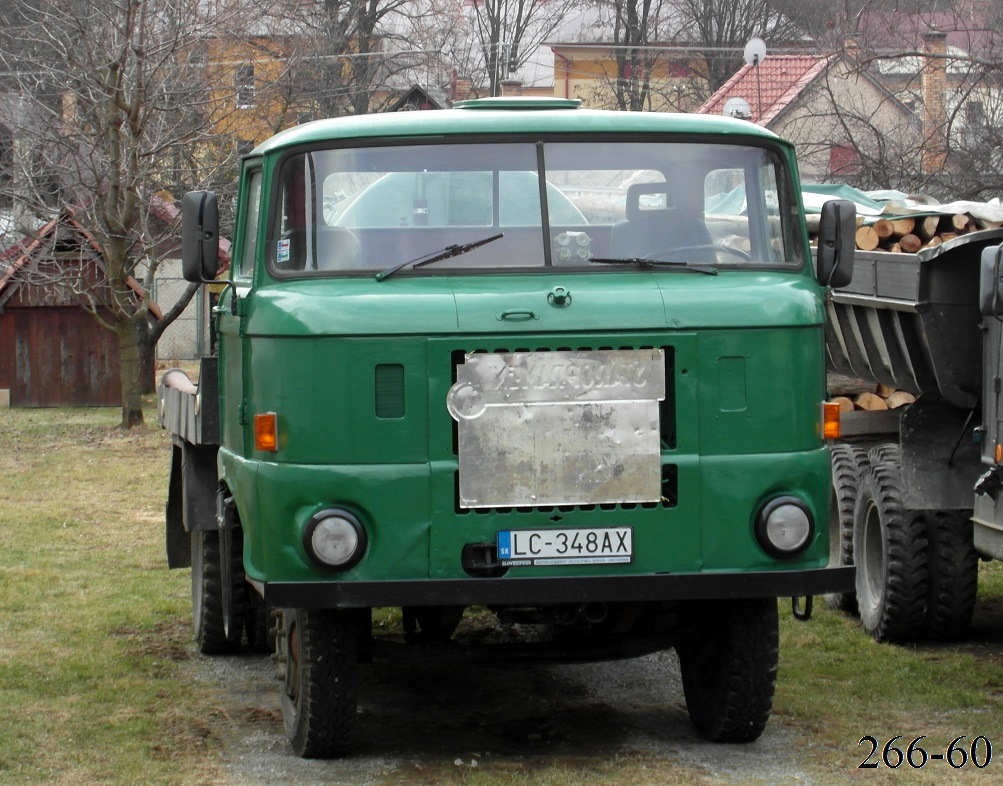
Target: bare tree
{"points": [[346, 57], [723, 28], [509, 32], [670, 55], [944, 60], [111, 106], [639, 34]]}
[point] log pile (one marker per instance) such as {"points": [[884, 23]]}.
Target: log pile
{"points": [[909, 234], [881, 398]]}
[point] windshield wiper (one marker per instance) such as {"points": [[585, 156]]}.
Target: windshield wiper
{"points": [[436, 256], [695, 267]]}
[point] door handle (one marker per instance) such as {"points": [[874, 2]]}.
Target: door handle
{"points": [[518, 315]]}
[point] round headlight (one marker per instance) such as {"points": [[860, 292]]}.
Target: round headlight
{"points": [[784, 527], [335, 539]]}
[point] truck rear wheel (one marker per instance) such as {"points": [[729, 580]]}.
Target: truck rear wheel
{"points": [[848, 463], [889, 551], [730, 671], [211, 634], [954, 572], [318, 657]]}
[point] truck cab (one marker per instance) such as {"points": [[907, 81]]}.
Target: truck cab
{"points": [[562, 366]]}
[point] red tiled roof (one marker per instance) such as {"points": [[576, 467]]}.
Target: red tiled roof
{"points": [[770, 87], [29, 246], [19, 255]]}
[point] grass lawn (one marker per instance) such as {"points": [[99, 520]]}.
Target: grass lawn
{"points": [[93, 626], [95, 635]]}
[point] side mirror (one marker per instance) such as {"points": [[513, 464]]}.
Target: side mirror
{"points": [[199, 236], [837, 229], [989, 281]]}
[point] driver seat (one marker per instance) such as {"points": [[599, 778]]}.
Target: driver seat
{"points": [[659, 230]]}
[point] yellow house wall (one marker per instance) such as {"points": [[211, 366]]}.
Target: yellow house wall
{"points": [[270, 111], [589, 74]]}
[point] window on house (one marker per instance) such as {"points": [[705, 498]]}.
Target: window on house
{"points": [[975, 114], [245, 86], [844, 160]]}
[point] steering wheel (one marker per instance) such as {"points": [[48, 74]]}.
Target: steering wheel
{"points": [[655, 255]]}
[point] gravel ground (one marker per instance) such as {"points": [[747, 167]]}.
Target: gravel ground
{"points": [[413, 719]]}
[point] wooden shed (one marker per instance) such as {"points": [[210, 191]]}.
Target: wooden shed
{"points": [[53, 352]]}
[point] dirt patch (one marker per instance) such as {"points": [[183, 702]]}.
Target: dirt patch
{"points": [[429, 723]]}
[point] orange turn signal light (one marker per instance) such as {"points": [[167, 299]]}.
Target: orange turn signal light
{"points": [[830, 420], [999, 453], [266, 432]]}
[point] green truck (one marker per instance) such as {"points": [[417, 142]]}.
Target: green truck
{"points": [[561, 366]]}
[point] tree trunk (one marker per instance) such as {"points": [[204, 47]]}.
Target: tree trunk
{"points": [[146, 342], [130, 373]]}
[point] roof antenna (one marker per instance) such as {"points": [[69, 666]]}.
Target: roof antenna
{"points": [[755, 53]]}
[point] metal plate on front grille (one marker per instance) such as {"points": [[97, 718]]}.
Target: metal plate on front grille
{"points": [[558, 428]]}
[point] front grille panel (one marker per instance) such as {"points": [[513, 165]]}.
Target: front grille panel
{"points": [[667, 430], [670, 499]]}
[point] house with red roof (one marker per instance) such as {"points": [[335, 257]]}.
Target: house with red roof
{"points": [[831, 109], [53, 351]]}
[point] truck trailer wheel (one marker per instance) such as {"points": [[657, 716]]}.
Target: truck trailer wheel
{"points": [[889, 551], [954, 572], [730, 671], [318, 658], [211, 635], [848, 463]]}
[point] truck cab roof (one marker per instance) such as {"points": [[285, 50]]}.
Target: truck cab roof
{"points": [[509, 116]]}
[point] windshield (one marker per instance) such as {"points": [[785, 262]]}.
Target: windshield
{"points": [[369, 209]]}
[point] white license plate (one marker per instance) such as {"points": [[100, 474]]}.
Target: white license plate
{"points": [[591, 546]]}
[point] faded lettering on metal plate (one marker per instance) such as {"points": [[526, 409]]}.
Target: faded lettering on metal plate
{"points": [[558, 428]]}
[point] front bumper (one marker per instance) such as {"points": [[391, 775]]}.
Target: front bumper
{"points": [[550, 590]]}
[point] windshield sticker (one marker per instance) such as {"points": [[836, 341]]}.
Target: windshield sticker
{"points": [[282, 251]]}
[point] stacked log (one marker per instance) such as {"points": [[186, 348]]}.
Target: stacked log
{"points": [[882, 397], [909, 234]]}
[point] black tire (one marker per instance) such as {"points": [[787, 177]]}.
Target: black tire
{"points": [[954, 573], [318, 655], [848, 463], [211, 635], [888, 451], [729, 671], [890, 554]]}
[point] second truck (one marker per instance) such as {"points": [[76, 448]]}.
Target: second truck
{"points": [[917, 490]]}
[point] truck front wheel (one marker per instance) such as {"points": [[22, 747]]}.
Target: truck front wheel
{"points": [[318, 661], [212, 635], [729, 671]]}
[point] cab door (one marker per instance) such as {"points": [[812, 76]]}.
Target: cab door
{"points": [[230, 309]]}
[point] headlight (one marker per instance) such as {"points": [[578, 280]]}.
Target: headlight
{"points": [[784, 527], [334, 539]]}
